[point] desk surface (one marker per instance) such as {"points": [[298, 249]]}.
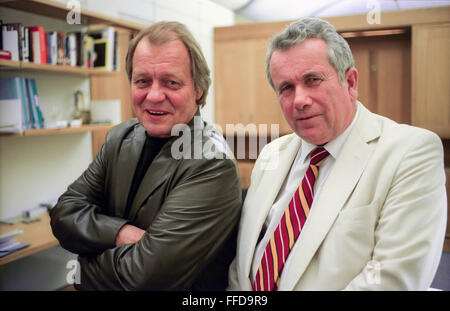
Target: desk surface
{"points": [[38, 234]]}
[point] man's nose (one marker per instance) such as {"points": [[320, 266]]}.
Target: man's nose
{"points": [[155, 93], [302, 98]]}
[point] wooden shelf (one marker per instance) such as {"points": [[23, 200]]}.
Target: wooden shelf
{"points": [[59, 10], [54, 68], [65, 130], [10, 63], [38, 234]]}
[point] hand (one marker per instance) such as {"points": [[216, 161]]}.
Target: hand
{"points": [[129, 234]]}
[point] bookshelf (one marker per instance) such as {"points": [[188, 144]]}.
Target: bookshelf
{"points": [[4, 64], [103, 84], [64, 130], [59, 11], [16, 65], [66, 150]]}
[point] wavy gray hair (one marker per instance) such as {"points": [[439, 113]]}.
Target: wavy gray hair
{"points": [[339, 53]]}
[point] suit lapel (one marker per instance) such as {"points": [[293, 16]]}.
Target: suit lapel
{"points": [[340, 183], [127, 162], [257, 208], [157, 173]]}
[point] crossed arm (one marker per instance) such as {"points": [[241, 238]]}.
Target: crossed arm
{"points": [[129, 234], [191, 226]]}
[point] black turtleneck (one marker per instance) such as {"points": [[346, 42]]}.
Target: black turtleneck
{"points": [[151, 148]]}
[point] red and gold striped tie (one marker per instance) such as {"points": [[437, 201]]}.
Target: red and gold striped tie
{"points": [[283, 239]]}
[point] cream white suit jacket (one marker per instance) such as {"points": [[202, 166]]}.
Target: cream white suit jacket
{"points": [[378, 222]]}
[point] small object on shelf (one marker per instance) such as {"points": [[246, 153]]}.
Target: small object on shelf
{"points": [[76, 123], [4, 54], [11, 221], [81, 110], [35, 211], [30, 220], [57, 124]]}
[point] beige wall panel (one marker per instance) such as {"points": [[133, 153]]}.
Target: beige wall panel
{"points": [[245, 172], [431, 78]]}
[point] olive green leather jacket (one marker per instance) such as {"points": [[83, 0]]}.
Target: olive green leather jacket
{"points": [[188, 207]]}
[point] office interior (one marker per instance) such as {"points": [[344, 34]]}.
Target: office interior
{"points": [[401, 49]]}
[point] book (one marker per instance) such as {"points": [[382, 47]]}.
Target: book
{"points": [[72, 49], [11, 42], [101, 50], [19, 28], [39, 42], [33, 111], [26, 111], [35, 99], [109, 35], [26, 45], [52, 38], [12, 89], [19, 105], [10, 115], [60, 42], [1, 35]]}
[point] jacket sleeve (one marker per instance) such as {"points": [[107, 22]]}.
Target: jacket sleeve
{"points": [[79, 220], [411, 228], [191, 227]]}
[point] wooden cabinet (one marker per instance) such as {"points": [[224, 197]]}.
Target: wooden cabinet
{"points": [[431, 77], [383, 62], [245, 170], [242, 93]]}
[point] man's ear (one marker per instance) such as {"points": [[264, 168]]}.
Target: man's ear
{"points": [[351, 77], [199, 95]]}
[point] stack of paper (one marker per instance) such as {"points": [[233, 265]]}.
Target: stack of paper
{"points": [[7, 246]]}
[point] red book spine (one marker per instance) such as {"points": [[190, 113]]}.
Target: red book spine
{"points": [[42, 42]]}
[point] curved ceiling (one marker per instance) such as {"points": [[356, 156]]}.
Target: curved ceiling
{"points": [[277, 10]]}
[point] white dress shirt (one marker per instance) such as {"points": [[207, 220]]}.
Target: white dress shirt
{"points": [[291, 183]]}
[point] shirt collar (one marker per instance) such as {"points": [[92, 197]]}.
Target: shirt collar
{"points": [[334, 146]]}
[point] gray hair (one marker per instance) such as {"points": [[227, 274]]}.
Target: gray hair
{"points": [[339, 53]]}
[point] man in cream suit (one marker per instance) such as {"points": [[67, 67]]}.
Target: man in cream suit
{"points": [[377, 217]]}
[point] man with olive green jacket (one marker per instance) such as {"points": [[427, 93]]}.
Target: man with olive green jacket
{"points": [[151, 212], [187, 207]]}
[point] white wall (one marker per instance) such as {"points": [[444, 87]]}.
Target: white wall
{"points": [[39, 168]]}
